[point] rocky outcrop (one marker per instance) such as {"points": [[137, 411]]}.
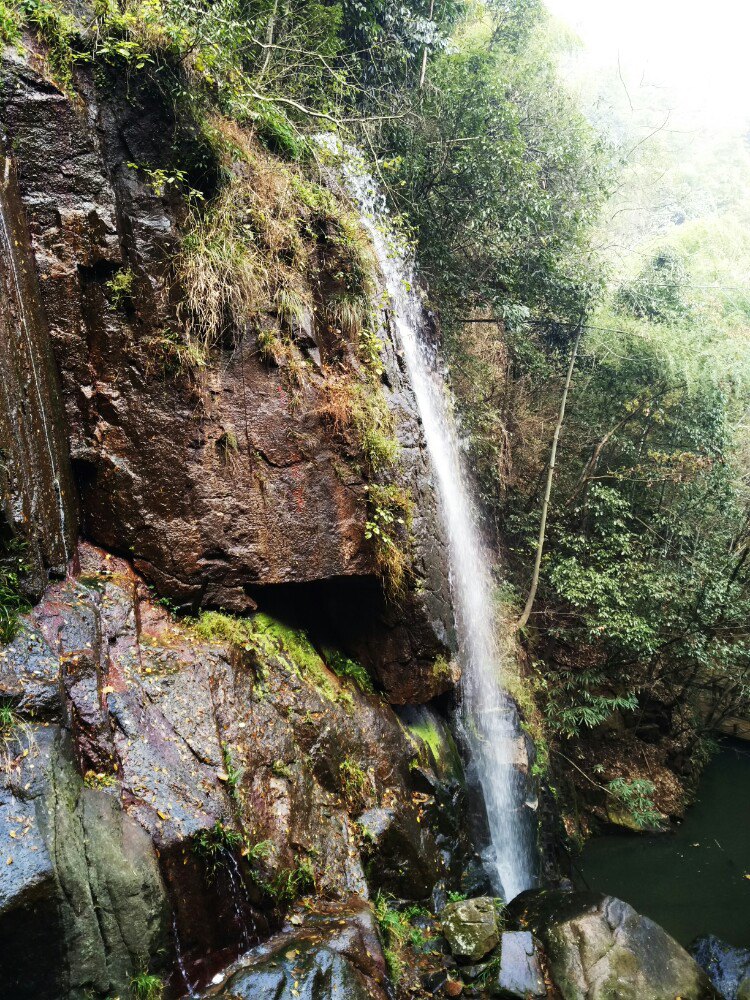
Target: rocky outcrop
{"points": [[224, 482], [35, 481], [599, 948], [169, 788]]}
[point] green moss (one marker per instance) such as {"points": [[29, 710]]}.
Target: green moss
{"points": [[271, 639], [343, 667], [437, 745], [374, 427], [99, 780], [282, 770]]}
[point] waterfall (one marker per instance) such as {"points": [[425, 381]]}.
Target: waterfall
{"points": [[489, 716]]}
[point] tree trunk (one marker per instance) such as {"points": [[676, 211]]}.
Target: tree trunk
{"points": [[548, 489], [423, 73]]}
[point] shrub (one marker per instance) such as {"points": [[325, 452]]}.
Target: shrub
{"points": [[147, 987], [10, 23], [12, 601], [356, 784]]}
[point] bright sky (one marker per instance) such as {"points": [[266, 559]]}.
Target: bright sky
{"points": [[699, 50]]}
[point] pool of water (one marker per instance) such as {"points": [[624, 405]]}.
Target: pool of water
{"points": [[692, 881]]}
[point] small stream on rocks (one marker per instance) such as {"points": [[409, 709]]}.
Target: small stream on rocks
{"points": [[693, 881], [489, 717]]}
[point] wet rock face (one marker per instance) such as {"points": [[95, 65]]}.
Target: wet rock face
{"points": [[80, 883], [160, 782], [335, 956], [599, 948], [217, 484], [36, 487]]}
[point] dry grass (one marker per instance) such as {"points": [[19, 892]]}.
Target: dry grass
{"points": [[249, 254], [337, 401]]}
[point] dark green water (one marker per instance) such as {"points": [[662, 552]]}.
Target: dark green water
{"points": [[693, 881]]}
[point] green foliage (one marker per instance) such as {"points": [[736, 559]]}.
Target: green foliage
{"points": [[213, 845], [389, 519], [257, 852], [12, 601], [163, 181], [120, 288], [146, 987], [397, 932], [58, 31], [291, 883], [233, 774], [356, 784], [500, 203], [373, 425], [10, 22], [658, 292], [637, 797]]}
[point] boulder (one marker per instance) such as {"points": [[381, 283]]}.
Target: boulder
{"points": [[520, 975], [599, 948], [471, 927], [727, 967], [79, 882]]}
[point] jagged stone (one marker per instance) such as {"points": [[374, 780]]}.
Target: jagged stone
{"points": [[599, 948], [471, 927]]}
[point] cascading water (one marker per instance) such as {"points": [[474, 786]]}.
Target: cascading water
{"points": [[490, 717]]}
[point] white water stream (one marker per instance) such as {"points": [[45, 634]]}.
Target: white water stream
{"points": [[490, 717]]}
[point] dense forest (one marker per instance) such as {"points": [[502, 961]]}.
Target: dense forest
{"points": [[584, 271]]}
